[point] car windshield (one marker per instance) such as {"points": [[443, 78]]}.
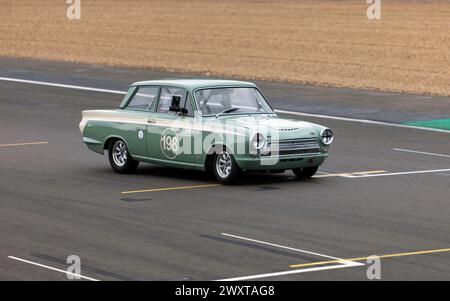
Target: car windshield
{"points": [[231, 101]]}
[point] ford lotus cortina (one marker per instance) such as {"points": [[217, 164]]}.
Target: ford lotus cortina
{"points": [[220, 126]]}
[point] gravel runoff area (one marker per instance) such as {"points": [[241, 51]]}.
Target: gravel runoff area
{"points": [[316, 42]]}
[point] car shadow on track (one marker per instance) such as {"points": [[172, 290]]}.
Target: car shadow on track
{"points": [[245, 178]]}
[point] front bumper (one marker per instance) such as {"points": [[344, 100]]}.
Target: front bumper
{"points": [[262, 163]]}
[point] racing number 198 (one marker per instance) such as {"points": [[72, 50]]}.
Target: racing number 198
{"points": [[170, 143]]}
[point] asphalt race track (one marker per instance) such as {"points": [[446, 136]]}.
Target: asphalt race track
{"points": [[383, 191]]}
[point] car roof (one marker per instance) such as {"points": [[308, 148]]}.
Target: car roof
{"points": [[193, 84]]}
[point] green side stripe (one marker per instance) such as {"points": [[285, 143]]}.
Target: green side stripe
{"points": [[443, 124]]}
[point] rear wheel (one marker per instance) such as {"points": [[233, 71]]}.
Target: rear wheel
{"points": [[305, 172], [120, 159], [225, 168]]}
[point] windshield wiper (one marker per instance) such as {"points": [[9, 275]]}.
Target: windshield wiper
{"points": [[229, 110]]}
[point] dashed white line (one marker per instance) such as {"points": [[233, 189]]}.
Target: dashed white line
{"points": [[51, 268], [421, 153]]}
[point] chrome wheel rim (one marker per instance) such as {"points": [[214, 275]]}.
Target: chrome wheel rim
{"points": [[120, 153], [223, 164]]}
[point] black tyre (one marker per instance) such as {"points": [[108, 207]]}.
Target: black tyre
{"points": [[120, 159], [225, 167], [306, 172]]}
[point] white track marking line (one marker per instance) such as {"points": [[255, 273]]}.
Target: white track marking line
{"points": [[51, 268], [362, 121], [61, 85], [278, 111], [421, 153], [23, 144], [290, 272], [348, 174], [400, 173], [344, 262]]}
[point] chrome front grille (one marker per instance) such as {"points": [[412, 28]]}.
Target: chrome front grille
{"points": [[295, 146]]}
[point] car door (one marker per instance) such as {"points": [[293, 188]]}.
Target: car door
{"points": [[171, 133], [134, 116]]}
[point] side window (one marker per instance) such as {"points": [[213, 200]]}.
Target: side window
{"points": [[143, 99], [167, 96], [212, 101]]}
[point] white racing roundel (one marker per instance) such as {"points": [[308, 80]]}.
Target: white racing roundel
{"points": [[140, 134]]}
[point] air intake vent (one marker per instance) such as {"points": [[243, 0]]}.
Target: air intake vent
{"points": [[295, 146]]}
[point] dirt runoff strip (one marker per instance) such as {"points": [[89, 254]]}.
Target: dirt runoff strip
{"points": [[316, 42]]}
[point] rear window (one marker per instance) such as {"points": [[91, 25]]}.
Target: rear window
{"points": [[143, 99]]}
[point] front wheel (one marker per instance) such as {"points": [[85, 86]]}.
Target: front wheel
{"points": [[305, 172], [225, 168], [120, 159]]}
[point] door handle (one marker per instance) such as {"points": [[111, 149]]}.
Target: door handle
{"points": [[151, 121]]}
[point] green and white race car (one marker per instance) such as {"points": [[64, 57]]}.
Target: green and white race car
{"points": [[220, 126]]}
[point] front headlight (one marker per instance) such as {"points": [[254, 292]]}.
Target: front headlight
{"points": [[258, 141], [326, 136]]}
